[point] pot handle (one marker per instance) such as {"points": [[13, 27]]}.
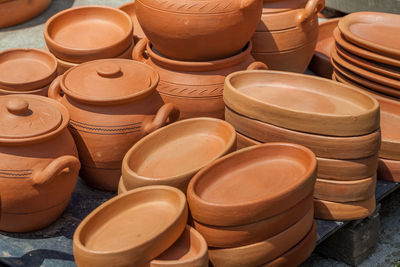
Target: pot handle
{"points": [[257, 65], [168, 110], [246, 3], [55, 89], [139, 49], [312, 7], [57, 166]]}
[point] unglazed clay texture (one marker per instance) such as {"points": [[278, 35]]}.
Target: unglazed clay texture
{"points": [[18, 11]]}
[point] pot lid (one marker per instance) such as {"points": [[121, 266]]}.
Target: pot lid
{"points": [[25, 116], [109, 80]]}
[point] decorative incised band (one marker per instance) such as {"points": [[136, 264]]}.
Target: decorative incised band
{"points": [[16, 174], [193, 6], [190, 91], [104, 130]]}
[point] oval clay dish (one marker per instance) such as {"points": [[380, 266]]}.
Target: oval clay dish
{"points": [[252, 184], [173, 154], [129, 8], [302, 102], [389, 170], [131, 229], [374, 31]]}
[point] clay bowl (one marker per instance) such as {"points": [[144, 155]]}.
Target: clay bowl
{"points": [[41, 91], [328, 210], [321, 61], [264, 251], [87, 33], [18, 11], [173, 154], [235, 236], [252, 184], [389, 170], [356, 147], [131, 229], [129, 8], [26, 69], [302, 102], [374, 31]]}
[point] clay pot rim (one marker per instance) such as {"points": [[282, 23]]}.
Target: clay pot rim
{"points": [[39, 82], [347, 182], [65, 117], [114, 100], [19, 92], [77, 234], [153, 135], [76, 52]]}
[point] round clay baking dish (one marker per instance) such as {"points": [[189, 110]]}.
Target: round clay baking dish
{"points": [[129, 8], [173, 154], [236, 236], [266, 250], [132, 228], [13, 12], [87, 33], [389, 170], [41, 91], [302, 102], [243, 187]]}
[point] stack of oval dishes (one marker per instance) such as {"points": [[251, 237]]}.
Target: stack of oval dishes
{"points": [[339, 123], [255, 206]]}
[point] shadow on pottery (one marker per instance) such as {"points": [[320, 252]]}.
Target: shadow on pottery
{"points": [[36, 258]]}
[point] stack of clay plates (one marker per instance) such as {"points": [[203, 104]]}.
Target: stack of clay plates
{"points": [[339, 123], [255, 206]]}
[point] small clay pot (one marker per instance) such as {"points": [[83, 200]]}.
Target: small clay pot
{"points": [[326, 107], [129, 8], [194, 87], [186, 30], [87, 33], [264, 251], [234, 189], [173, 154], [13, 12], [389, 170], [131, 229], [38, 161], [235, 236]]}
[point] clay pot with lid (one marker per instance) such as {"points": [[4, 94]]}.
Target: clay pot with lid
{"points": [[198, 30], [113, 103], [38, 161], [194, 87]]}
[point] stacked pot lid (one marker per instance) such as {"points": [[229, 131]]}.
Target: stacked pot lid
{"points": [[254, 205], [339, 123]]}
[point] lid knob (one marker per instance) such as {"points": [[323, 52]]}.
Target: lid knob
{"points": [[109, 70], [18, 106]]}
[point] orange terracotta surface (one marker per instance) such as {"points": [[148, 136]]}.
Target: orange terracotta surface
{"points": [[129, 8], [18, 11], [41, 91], [389, 170]]}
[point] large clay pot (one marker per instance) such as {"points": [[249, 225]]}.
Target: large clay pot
{"points": [[113, 103], [286, 37], [194, 87], [38, 161], [198, 30], [13, 12]]}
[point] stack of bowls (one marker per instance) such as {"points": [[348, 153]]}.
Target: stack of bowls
{"points": [[254, 206], [339, 123], [13, 12], [86, 33]]}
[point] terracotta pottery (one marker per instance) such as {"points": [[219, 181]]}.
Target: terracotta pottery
{"points": [[389, 170], [26, 70], [131, 229], [356, 147], [235, 236], [264, 251], [252, 184], [186, 30], [41, 91], [173, 154], [299, 253], [328, 210], [112, 109], [13, 12], [129, 8], [86, 33], [38, 162], [194, 87], [374, 31], [302, 102]]}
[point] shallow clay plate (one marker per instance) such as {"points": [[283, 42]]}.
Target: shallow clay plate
{"points": [[131, 229], [389, 170], [375, 31]]}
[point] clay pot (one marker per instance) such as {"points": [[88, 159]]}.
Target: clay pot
{"points": [[24, 71], [326, 107], [173, 154], [18, 11], [291, 176], [87, 33], [111, 110], [235, 236], [286, 37], [188, 31], [38, 162], [194, 87], [131, 229], [129, 8], [264, 251], [389, 170]]}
